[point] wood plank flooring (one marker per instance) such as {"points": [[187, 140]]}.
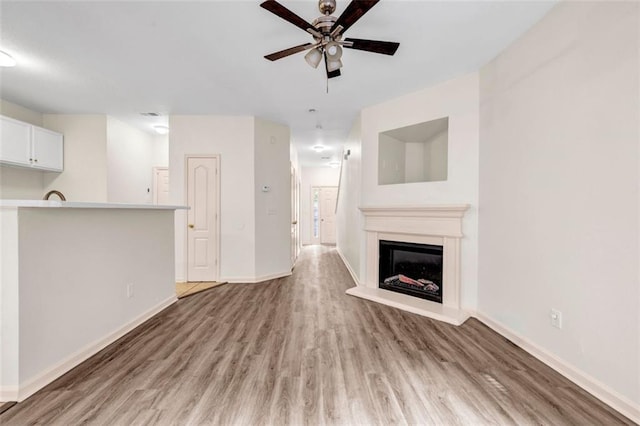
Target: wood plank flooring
{"points": [[299, 351]]}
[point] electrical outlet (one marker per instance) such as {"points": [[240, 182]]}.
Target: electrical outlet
{"points": [[129, 291], [556, 318]]}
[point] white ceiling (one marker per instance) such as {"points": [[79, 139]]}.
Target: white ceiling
{"points": [[206, 57]]}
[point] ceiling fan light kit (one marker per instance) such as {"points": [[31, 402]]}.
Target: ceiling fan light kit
{"points": [[327, 32], [313, 57]]}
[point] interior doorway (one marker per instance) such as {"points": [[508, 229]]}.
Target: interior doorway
{"points": [[295, 212], [160, 185], [323, 214], [203, 196]]}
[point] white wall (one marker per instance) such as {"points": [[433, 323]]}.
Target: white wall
{"points": [[85, 157], [559, 192], [457, 99], [21, 113], [392, 155], [313, 176], [160, 151], [414, 162], [130, 155], [436, 157], [17, 183], [273, 208], [74, 267], [232, 138], [9, 305], [349, 222]]}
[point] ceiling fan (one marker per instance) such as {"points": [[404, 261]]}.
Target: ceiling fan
{"points": [[327, 32]]}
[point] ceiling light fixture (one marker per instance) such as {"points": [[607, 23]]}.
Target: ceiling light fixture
{"points": [[319, 148], [334, 51], [333, 65], [334, 164], [314, 57], [161, 129], [6, 60]]}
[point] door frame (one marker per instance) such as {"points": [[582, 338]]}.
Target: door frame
{"points": [[155, 182], [217, 212]]}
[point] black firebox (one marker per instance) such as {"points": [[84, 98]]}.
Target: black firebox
{"points": [[413, 269]]}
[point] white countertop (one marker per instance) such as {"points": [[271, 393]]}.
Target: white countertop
{"points": [[85, 205]]}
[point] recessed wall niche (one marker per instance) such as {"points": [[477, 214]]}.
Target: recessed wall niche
{"points": [[416, 153]]}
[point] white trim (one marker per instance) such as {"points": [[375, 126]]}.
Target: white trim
{"points": [[36, 383], [257, 280], [8, 393], [348, 266], [583, 380]]}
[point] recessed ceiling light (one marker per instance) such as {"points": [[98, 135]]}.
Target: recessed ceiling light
{"points": [[6, 60], [161, 129], [319, 148], [334, 164]]}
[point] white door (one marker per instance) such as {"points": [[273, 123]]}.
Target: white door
{"points": [[295, 204], [202, 226], [328, 197], [160, 185]]}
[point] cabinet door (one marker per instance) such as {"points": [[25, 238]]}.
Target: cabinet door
{"points": [[15, 142], [47, 150]]}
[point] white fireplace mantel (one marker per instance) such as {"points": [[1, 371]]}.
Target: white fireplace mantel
{"points": [[437, 225]]}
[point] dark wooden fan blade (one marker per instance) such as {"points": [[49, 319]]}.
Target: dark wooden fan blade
{"points": [[284, 13], [352, 13], [330, 74], [375, 46], [290, 51]]}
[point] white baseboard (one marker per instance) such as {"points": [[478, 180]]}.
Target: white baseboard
{"points": [[8, 393], [36, 383], [586, 382], [256, 280], [346, 263]]}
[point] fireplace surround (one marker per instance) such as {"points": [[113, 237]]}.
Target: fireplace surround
{"points": [[438, 225]]}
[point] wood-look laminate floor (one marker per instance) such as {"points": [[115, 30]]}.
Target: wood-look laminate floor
{"points": [[299, 351]]}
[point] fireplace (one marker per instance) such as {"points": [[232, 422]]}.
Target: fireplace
{"points": [[410, 268], [439, 227]]}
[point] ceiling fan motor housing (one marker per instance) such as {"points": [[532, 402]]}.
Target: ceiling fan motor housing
{"points": [[324, 24]]}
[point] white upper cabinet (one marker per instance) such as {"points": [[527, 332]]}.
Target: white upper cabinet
{"points": [[47, 149], [25, 145], [15, 141]]}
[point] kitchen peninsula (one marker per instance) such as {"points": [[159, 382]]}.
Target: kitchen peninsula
{"points": [[75, 278]]}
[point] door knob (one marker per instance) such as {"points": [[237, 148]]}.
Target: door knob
{"points": [[191, 225]]}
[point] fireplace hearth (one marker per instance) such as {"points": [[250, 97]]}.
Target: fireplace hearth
{"points": [[412, 269]]}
